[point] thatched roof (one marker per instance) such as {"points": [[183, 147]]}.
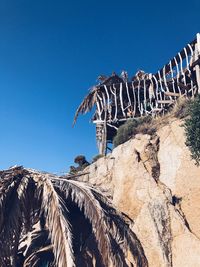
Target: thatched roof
{"points": [[89, 101]]}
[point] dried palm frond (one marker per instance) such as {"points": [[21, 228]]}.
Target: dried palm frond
{"points": [[12, 215], [58, 226], [15, 216], [52, 199], [87, 103], [45, 253], [8, 186], [114, 236], [122, 229]]}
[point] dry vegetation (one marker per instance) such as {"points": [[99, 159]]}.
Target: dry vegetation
{"points": [[149, 125]]}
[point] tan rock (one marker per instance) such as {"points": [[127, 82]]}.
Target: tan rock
{"points": [[179, 173], [154, 181]]}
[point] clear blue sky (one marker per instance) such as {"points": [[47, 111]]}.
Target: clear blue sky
{"points": [[52, 51]]}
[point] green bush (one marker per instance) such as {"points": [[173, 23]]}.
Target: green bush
{"points": [[81, 160], [131, 127], [82, 163], [125, 132], [192, 129]]}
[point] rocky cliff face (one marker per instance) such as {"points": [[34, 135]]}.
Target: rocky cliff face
{"points": [[153, 180]]}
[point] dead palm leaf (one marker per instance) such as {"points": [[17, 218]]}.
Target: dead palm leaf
{"points": [[87, 104], [15, 217], [113, 234], [34, 260], [51, 200]]}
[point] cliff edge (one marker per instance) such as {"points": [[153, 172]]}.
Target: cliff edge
{"points": [[154, 181]]}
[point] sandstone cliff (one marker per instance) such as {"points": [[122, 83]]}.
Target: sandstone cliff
{"points": [[153, 180]]}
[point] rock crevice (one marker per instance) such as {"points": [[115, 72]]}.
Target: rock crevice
{"points": [[149, 157]]}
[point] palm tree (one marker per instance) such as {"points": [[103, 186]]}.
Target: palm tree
{"points": [[46, 220]]}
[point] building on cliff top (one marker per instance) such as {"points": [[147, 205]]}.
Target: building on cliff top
{"points": [[117, 99]]}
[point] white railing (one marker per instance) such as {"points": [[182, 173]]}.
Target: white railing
{"points": [[151, 93]]}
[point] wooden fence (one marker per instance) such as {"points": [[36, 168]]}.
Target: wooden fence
{"points": [[146, 94]]}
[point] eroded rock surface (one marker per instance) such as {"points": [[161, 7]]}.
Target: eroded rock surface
{"points": [[153, 180]]}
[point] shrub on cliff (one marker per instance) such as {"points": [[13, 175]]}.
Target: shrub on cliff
{"points": [[192, 130], [125, 132], [132, 127], [82, 164]]}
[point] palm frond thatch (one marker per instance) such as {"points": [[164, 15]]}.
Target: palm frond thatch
{"points": [[87, 103], [77, 224]]}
